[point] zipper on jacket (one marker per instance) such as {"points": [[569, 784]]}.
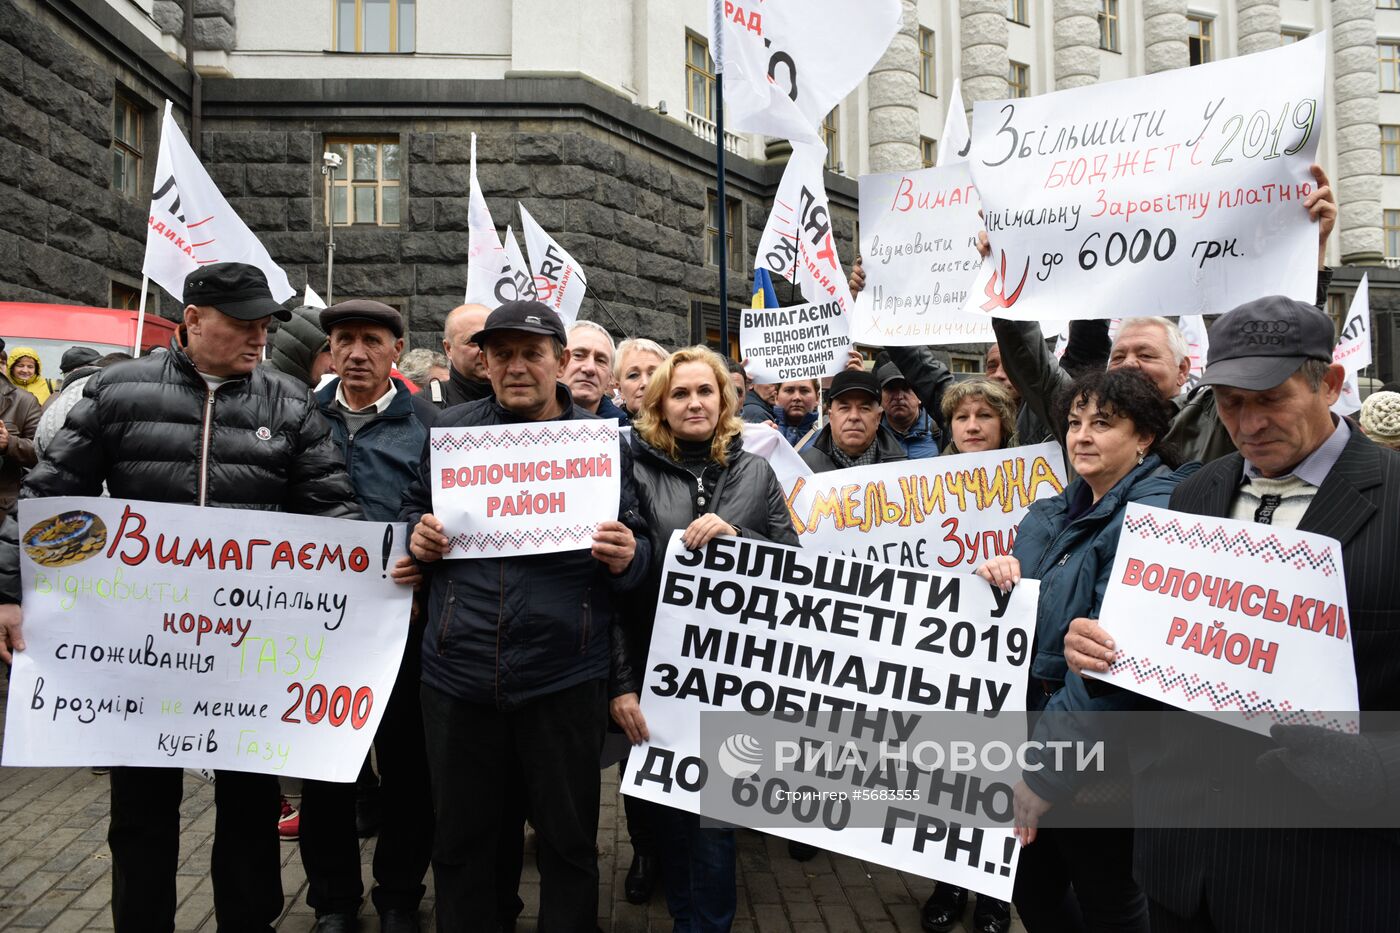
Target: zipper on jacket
{"points": [[587, 619], [204, 444], [446, 619]]}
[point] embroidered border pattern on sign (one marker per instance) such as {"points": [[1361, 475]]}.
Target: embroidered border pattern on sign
{"points": [[1267, 549]]}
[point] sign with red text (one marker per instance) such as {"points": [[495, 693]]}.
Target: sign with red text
{"points": [[1173, 193], [1216, 615], [800, 342], [780, 642], [269, 645], [798, 243], [918, 247], [951, 512], [507, 490]]}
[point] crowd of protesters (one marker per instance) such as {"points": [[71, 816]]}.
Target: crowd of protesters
{"points": [[517, 667]]}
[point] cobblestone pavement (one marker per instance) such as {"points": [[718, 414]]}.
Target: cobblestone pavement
{"points": [[54, 867]]}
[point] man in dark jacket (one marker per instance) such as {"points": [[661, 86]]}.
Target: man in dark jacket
{"points": [[588, 369], [905, 416], [515, 660], [467, 381], [380, 429], [200, 425], [853, 435]]}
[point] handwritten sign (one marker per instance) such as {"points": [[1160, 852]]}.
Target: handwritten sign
{"points": [[918, 243], [843, 635], [534, 488], [947, 513], [1172, 193], [1212, 615], [153, 641], [801, 342]]}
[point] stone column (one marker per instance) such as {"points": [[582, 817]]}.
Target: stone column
{"points": [[1164, 35], [984, 58], [1357, 95], [893, 86], [1259, 25], [1076, 43]]}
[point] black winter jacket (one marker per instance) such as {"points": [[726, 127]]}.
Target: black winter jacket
{"points": [[746, 494], [153, 429], [457, 390], [817, 454], [503, 631]]}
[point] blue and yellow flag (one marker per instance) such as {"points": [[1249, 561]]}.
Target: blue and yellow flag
{"points": [[763, 294]]}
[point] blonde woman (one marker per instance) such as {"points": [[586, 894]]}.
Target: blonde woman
{"points": [[980, 415]]}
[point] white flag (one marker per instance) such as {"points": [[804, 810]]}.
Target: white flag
{"points": [[1193, 328], [787, 63], [956, 141], [191, 225], [513, 283], [311, 299], [1354, 348], [797, 243], [559, 281], [485, 257]]}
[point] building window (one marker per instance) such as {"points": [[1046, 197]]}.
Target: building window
{"points": [[365, 189], [374, 25], [928, 74], [704, 328], [1016, 12], [125, 297], [1388, 4], [1390, 149], [699, 78], [1200, 36], [928, 148], [126, 146], [1389, 53], [831, 136], [1392, 234], [733, 230], [1018, 79], [965, 364], [1108, 26], [1290, 36]]}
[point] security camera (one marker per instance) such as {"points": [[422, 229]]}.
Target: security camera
{"points": [[332, 160]]}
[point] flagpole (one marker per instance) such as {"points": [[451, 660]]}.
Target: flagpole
{"points": [[723, 213], [606, 309], [140, 317]]}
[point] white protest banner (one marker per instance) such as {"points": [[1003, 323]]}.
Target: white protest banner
{"points": [[191, 225], [312, 300], [532, 488], [514, 282], [1173, 193], [797, 243], [1354, 348], [902, 647], [1193, 328], [918, 245], [787, 63], [559, 280], [801, 342], [950, 512], [956, 142], [485, 257], [153, 640], [1216, 615], [762, 441]]}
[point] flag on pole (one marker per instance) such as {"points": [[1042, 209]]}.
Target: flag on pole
{"points": [[1193, 328], [311, 299], [191, 225], [1354, 349], [559, 280], [764, 295], [513, 282], [486, 260], [956, 141], [797, 243]]}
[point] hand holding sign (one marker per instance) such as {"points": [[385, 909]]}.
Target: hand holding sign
{"points": [[614, 546], [428, 542]]}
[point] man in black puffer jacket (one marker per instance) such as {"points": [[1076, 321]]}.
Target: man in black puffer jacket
{"points": [[200, 425], [515, 660]]}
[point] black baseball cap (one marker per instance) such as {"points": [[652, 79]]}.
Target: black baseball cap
{"points": [[235, 288], [530, 317], [362, 309], [852, 380], [1262, 342], [889, 373]]}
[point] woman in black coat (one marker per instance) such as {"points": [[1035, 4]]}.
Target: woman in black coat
{"points": [[693, 475]]}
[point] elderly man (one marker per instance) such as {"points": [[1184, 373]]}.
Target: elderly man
{"points": [[138, 428], [854, 435], [1301, 466], [467, 381], [795, 411], [515, 661], [917, 433], [588, 370], [380, 429]]}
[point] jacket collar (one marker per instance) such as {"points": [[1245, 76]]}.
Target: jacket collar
{"points": [[181, 359], [399, 406], [887, 445], [567, 409], [471, 387], [1113, 499], [644, 448]]}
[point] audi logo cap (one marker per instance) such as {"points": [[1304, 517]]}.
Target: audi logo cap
{"points": [[1262, 342]]}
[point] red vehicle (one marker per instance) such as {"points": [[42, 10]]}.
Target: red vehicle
{"points": [[53, 329]]}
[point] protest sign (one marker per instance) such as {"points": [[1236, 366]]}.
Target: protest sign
{"points": [[153, 641], [951, 512], [1353, 351], [1172, 193], [1216, 615], [801, 342], [485, 256], [797, 243], [559, 280], [191, 225], [1193, 329], [918, 246], [507, 490], [787, 63], [791, 637]]}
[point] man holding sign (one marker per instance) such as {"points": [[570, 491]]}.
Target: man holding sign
{"points": [[515, 658], [1298, 465]]}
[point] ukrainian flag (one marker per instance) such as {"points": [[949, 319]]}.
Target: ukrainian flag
{"points": [[763, 294]]}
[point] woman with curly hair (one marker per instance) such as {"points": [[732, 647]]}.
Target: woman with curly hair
{"points": [[980, 415]]}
